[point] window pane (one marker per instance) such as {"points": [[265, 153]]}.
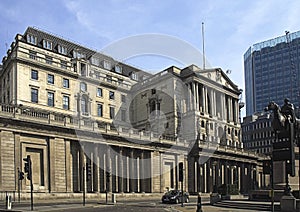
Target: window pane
{"points": [[51, 78], [34, 95], [50, 99], [111, 95], [66, 83], [100, 110], [66, 102], [99, 91], [34, 75]]}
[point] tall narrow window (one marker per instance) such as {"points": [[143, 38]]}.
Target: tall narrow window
{"points": [[99, 92], [51, 99], [66, 83], [34, 95], [100, 110], [84, 105], [66, 102]]}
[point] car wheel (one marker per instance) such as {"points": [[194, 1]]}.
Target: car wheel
{"points": [[176, 200], [187, 200]]}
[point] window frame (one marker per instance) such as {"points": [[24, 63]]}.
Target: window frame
{"points": [[68, 83], [68, 102], [34, 96], [99, 112], [111, 95], [47, 44], [99, 94], [36, 74], [49, 99], [50, 82]]}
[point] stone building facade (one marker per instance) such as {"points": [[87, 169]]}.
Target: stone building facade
{"points": [[70, 107]]}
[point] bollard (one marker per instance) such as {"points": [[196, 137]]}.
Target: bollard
{"points": [[199, 204], [8, 202]]}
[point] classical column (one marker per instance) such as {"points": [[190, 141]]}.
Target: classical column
{"points": [[142, 173], [121, 171], [108, 168], [96, 178], [81, 164], [205, 100], [132, 171], [195, 96], [239, 178], [205, 177], [188, 104]]}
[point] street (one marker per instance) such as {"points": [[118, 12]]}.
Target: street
{"points": [[141, 204]]}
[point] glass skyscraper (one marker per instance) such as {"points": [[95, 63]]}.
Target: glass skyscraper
{"points": [[272, 72]]}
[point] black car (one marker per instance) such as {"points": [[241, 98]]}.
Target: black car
{"points": [[175, 196]]}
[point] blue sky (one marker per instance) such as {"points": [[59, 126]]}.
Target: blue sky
{"points": [[231, 26]]}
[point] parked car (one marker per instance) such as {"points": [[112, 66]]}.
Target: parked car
{"points": [[175, 196]]}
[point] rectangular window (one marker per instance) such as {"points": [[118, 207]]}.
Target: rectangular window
{"points": [[63, 64], [123, 98], [66, 102], [77, 54], [111, 95], [100, 110], [106, 65], [34, 74], [51, 99], [31, 39], [99, 92], [118, 69], [111, 112], [66, 83], [49, 60], [47, 44], [34, 95], [62, 49], [32, 55], [50, 79]]}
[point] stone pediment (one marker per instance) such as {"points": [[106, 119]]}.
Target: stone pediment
{"points": [[218, 76]]}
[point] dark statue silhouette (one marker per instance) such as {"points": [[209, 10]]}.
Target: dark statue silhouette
{"points": [[283, 116]]}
